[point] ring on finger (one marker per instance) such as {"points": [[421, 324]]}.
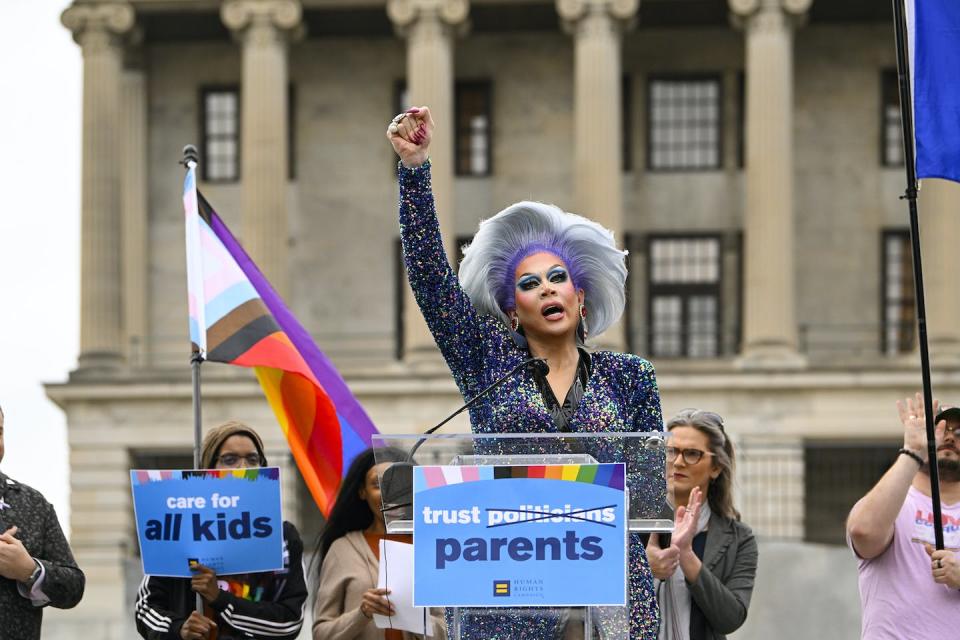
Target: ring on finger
{"points": [[397, 119], [393, 128]]}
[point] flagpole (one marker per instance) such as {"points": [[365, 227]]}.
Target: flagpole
{"points": [[910, 195], [191, 157]]}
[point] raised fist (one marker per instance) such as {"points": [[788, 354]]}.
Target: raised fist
{"points": [[410, 134]]}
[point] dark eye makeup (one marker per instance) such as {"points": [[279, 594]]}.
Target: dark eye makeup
{"points": [[526, 283]]}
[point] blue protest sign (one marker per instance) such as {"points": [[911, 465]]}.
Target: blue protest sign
{"points": [[507, 536], [228, 520]]}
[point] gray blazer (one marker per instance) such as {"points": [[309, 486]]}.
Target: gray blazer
{"points": [[723, 588]]}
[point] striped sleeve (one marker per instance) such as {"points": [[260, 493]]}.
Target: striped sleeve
{"points": [[283, 616], [154, 621]]}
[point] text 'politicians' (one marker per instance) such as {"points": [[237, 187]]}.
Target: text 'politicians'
{"points": [[523, 513]]}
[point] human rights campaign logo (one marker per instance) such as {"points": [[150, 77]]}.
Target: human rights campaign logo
{"points": [[501, 588]]}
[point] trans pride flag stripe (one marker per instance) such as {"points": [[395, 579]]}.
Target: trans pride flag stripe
{"points": [[236, 317]]}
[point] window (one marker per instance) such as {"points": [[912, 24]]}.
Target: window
{"points": [[401, 102], [684, 277], [472, 124], [898, 310], [401, 98], [472, 106], [220, 132], [835, 476], [891, 133], [181, 459], [684, 118]]}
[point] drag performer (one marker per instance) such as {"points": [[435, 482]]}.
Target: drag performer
{"points": [[535, 282]]}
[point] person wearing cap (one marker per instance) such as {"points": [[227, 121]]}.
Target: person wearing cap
{"points": [[908, 589], [37, 568], [266, 605]]}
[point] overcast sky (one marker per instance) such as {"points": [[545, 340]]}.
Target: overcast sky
{"points": [[40, 71]]}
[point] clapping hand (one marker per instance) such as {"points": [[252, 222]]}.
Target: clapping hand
{"points": [[685, 521], [664, 562], [913, 418], [410, 134]]}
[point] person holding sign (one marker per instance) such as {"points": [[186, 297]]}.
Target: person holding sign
{"points": [[348, 555], [267, 605], [705, 571], [535, 282]]}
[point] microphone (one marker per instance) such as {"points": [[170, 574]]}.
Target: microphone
{"points": [[396, 485]]}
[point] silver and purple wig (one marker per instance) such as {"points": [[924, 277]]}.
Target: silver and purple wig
{"points": [[596, 265]]}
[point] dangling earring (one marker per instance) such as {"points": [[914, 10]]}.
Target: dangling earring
{"points": [[515, 323], [583, 319]]}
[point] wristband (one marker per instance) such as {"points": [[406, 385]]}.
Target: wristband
{"points": [[32, 580], [906, 452]]}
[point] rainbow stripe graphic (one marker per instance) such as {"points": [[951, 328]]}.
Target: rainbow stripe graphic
{"points": [[236, 317], [604, 475], [141, 476]]}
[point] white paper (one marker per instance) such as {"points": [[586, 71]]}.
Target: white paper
{"points": [[396, 574]]}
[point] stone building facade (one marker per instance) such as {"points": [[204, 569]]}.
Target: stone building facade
{"points": [[746, 151]]}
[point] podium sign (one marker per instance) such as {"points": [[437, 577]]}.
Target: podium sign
{"points": [[519, 535], [228, 520]]}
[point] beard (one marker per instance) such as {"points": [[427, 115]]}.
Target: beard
{"points": [[948, 469]]}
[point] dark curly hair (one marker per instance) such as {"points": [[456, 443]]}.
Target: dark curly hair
{"points": [[350, 512]]}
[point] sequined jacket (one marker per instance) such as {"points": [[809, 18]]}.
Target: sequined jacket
{"points": [[621, 394], [42, 536], [267, 605]]}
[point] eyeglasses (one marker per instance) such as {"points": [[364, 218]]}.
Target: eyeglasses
{"points": [[690, 456], [233, 460], [954, 431]]}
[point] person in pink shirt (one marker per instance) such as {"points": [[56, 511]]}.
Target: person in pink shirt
{"points": [[907, 588]]}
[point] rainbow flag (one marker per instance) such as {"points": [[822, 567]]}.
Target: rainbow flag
{"points": [[236, 317]]}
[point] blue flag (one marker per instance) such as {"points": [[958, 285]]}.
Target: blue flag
{"points": [[933, 28]]}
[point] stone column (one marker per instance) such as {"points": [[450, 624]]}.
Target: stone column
{"points": [[99, 29], [136, 251], [769, 323], [264, 28], [939, 204], [596, 26], [430, 27]]}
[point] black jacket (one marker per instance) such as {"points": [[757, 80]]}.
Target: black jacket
{"points": [[40, 532], [272, 609]]}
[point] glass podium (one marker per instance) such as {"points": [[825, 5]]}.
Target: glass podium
{"points": [[644, 460]]}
